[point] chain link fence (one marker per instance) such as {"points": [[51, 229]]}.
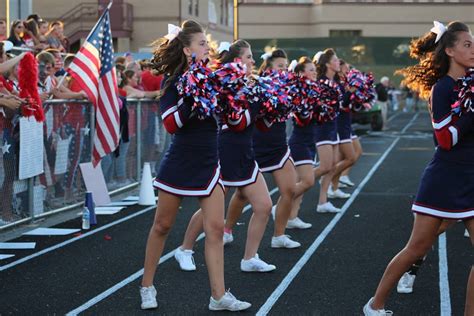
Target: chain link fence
{"points": [[67, 134]]}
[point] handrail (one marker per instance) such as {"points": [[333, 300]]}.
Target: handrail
{"points": [[82, 101]]}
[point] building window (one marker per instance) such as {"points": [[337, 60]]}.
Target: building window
{"points": [[190, 7], [345, 33], [196, 8]]}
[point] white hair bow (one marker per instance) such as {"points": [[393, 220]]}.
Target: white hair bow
{"points": [[173, 32], [265, 56], [292, 65], [317, 56], [223, 46], [439, 29]]}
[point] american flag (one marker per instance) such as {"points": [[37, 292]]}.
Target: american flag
{"points": [[94, 71]]}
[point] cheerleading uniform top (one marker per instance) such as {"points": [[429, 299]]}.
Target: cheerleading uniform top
{"points": [[344, 119], [236, 155], [190, 166], [326, 133], [447, 185]]}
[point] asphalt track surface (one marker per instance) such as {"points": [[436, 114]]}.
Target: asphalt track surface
{"points": [[334, 272]]}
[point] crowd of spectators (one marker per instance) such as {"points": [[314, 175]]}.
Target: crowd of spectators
{"points": [[69, 121]]}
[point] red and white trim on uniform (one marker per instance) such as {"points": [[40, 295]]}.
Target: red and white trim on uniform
{"points": [[172, 119], [242, 183], [443, 213], [304, 162], [327, 142], [206, 191], [280, 164], [446, 133]]}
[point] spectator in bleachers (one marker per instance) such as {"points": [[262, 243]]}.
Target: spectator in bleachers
{"points": [[58, 61], [16, 32], [128, 58], [120, 60], [56, 38], [31, 36], [3, 30], [130, 84], [43, 30], [150, 82]]}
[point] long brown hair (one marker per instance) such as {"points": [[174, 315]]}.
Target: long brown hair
{"points": [[168, 56], [433, 62], [235, 51], [267, 63], [321, 67]]}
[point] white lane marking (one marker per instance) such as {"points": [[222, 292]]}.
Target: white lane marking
{"points": [[69, 241], [135, 276], [272, 299], [444, 295]]}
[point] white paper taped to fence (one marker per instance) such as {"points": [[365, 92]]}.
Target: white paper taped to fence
{"points": [[31, 148], [62, 152]]}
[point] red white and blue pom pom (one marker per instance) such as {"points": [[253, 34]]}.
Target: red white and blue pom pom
{"points": [[329, 97], [197, 83], [271, 90], [231, 83], [465, 94], [303, 94], [364, 95]]}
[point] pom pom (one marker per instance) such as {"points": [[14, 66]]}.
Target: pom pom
{"points": [[465, 94], [28, 86], [272, 91], [231, 82], [197, 84], [328, 100], [303, 94], [362, 85]]}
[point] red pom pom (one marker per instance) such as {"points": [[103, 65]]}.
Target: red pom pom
{"points": [[28, 85]]}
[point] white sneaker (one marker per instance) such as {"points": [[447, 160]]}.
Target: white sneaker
{"points": [[273, 211], [342, 185], [284, 241], [405, 284], [298, 224], [338, 194], [148, 295], [466, 233], [369, 311], [185, 259], [346, 181], [256, 264], [228, 302], [228, 238], [327, 208]]}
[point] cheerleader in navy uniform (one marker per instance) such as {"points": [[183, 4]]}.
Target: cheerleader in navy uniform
{"points": [[447, 185], [273, 155], [239, 170], [303, 149], [325, 133], [190, 167], [344, 179], [346, 155]]}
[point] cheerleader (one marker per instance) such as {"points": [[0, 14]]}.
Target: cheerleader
{"points": [[447, 183], [190, 167], [303, 149], [239, 170], [349, 146], [273, 155], [325, 133]]}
